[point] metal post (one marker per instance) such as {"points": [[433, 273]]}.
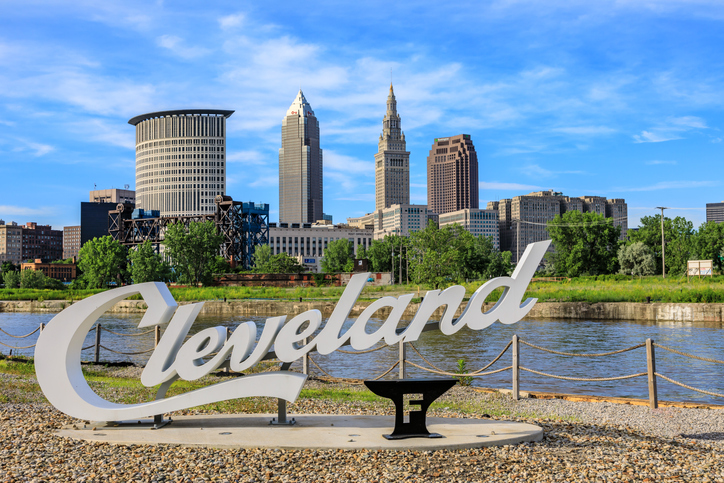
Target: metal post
{"points": [[392, 264], [651, 365], [400, 263], [305, 359], [407, 265], [98, 343], [403, 354], [663, 244], [156, 336], [42, 327], [516, 371]]}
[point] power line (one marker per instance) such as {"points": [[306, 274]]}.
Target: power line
{"points": [[604, 222]]}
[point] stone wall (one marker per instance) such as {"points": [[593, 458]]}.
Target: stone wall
{"points": [[548, 310]]}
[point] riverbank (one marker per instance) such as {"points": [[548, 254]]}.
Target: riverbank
{"points": [[656, 311], [583, 442]]}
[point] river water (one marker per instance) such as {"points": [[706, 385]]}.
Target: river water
{"points": [[477, 349]]}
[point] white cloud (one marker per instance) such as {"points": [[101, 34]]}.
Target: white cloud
{"points": [[37, 149], [247, 157], [231, 21], [10, 210], [666, 185], [178, 46], [348, 164], [652, 137], [537, 170], [658, 162], [688, 122], [585, 130], [494, 185]]}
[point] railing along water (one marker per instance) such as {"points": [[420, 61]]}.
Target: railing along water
{"points": [[403, 361]]}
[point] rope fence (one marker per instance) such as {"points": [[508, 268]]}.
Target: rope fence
{"points": [[403, 361]]}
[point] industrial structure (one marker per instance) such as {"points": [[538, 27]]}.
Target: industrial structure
{"points": [[244, 226]]}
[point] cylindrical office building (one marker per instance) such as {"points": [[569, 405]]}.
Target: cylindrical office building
{"points": [[180, 160]]}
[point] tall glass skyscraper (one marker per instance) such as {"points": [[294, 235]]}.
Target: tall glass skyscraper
{"points": [[300, 165]]}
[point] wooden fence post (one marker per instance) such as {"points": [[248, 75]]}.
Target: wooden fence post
{"points": [[156, 336], [651, 365], [516, 371], [403, 351], [98, 343]]}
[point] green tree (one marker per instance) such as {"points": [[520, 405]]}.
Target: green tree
{"points": [[636, 259], [434, 255], [283, 263], [679, 236], [337, 256], [8, 266], [709, 243], [147, 265], [193, 252], [261, 257], [384, 255], [32, 279], [102, 260], [584, 244], [11, 279]]}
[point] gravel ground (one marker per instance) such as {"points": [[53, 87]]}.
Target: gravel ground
{"points": [[583, 442]]}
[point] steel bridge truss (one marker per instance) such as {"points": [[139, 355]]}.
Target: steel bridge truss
{"points": [[244, 226]]}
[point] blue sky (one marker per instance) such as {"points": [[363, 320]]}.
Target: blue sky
{"points": [[621, 99]]}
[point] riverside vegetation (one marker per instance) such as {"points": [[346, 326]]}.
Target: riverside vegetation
{"points": [[602, 288]]}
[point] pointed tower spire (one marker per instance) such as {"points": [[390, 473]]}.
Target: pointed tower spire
{"points": [[392, 161]]}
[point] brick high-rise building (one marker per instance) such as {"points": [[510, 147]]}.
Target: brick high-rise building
{"points": [[71, 241], [452, 175], [392, 161], [715, 212], [11, 242], [523, 219], [300, 165], [41, 241]]}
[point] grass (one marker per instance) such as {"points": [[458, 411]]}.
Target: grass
{"points": [[17, 376], [583, 289]]}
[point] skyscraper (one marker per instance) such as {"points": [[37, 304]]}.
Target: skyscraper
{"points": [[300, 165], [392, 161], [180, 160], [452, 175]]}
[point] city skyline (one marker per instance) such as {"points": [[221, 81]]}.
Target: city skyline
{"points": [[614, 99]]}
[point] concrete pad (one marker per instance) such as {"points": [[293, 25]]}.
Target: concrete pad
{"points": [[311, 431]]}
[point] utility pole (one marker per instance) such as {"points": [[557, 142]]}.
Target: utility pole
{"points": [[392, 264], [663, 244], [401, 263]]}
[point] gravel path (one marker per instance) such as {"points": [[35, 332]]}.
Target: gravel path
{"points": [[583, 442]]}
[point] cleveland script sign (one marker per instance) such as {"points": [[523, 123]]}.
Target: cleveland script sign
{"points": [[58, 350]]}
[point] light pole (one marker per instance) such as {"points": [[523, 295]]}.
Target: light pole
{"points": [[663, 245], [392, 264]]}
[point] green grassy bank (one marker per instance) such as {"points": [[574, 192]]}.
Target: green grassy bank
{"points": [[583, 289], [122, 385]]}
